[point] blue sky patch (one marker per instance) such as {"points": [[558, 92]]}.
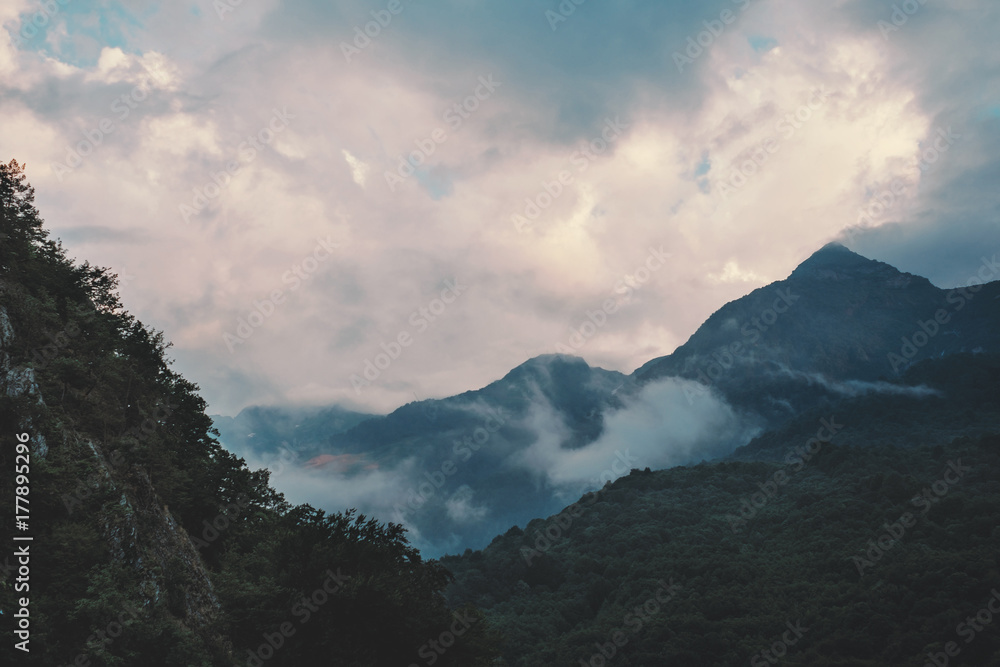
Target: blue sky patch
{"points": [[762, 44]]}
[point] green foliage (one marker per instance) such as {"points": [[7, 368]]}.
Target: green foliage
{"points": [[126, 436], [791, 561]]}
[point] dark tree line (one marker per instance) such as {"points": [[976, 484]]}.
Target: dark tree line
{"points": [[347, 589]]}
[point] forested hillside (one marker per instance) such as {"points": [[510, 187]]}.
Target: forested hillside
{"points": [[152, 545], [875, 555], [874, 521]]}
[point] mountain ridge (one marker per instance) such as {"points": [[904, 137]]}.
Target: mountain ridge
{"points": [[803, 343]]}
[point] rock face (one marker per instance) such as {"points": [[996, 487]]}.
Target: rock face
{"points": [[140, 531], [16, 381]]}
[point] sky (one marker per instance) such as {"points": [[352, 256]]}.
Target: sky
{"points": [[370, 203]]}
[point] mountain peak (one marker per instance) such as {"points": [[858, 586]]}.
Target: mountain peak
{"points": [[554, 357], [834, 246], [547, 363], [834, 261], [836, 252], [551, 371]]}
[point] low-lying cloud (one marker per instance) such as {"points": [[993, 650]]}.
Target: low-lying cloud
{"points": [[446, 499], [854, 388], [660, 427]]}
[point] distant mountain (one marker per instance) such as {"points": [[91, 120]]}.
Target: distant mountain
{"points": [[839, 326], [451, 469], [579, 393], [838, 315], [482, 434], [302, 431]]}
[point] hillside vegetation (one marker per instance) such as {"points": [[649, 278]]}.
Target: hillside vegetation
{"points": [[874, 522], [152, 544], [881, 553]]}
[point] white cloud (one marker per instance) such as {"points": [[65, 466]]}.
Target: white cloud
{"points": [[149, 70], [732, 273], [526, 290], [460, 507], [669, 422], [359, 169]]}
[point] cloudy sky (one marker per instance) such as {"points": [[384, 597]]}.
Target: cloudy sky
{"points": [[289, 189]]}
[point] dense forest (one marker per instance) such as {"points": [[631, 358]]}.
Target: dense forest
{"points": [[876, 555], [152, 545]]}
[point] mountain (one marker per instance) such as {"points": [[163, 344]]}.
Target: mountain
{"points": [[838, 315], [874, 546], [577, 392], [299, 432], [840, 325], [478, 433], [456, 470]]}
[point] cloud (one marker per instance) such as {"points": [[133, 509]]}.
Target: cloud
{"points": [[334, 483], [686, 173], [853, 388], [359, 169], [461, 509], [149, 70], [670, 422], [732, 273]]}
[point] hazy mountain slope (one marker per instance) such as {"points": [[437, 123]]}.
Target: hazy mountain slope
{"points": [[783, 351], [454, 469], [481, 435], [838, 314], [942, 399], [302, 431], [576, 391]]}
